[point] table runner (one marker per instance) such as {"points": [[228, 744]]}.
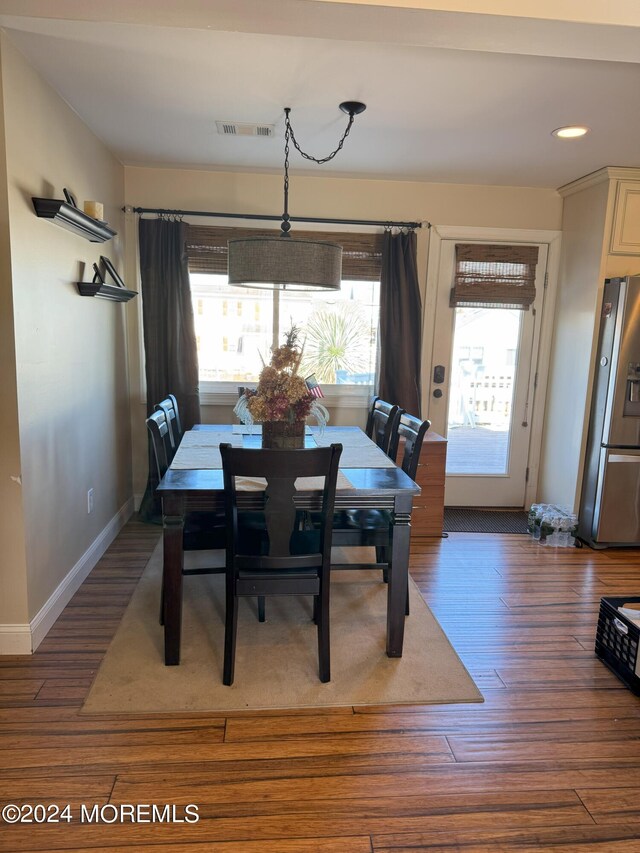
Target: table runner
{"points": [[346, 437], [199, 438], [197, 452], [200, 449], [303, 484]]}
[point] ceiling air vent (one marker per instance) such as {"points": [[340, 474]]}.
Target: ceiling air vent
{"points": [[244, 128]]}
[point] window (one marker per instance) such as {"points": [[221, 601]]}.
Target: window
{"points": [[216, 326], [340, 330]]}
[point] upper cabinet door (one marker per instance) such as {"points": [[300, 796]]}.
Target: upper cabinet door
{"points": [[625, 234]]}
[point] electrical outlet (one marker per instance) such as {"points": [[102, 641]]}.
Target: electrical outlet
{"points": [[90, 501]]}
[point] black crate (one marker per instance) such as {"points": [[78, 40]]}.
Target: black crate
{"points": [[617, 640]]}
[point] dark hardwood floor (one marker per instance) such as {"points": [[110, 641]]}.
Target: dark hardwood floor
{"points": [[550, 761]]}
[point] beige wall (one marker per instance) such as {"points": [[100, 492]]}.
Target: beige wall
{"points": [[13, 565], [70, 363], [317, 195]]}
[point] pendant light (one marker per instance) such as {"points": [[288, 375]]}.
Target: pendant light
{"points": [[285, 262]]}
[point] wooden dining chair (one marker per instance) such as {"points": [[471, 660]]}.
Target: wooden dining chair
{"points": [[158, 428], [280, 557], [408, 439], [364, 527], [203, 530], [170, 408], [382, 423]]}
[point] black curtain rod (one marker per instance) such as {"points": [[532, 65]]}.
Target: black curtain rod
{"points": [[384, 222]]}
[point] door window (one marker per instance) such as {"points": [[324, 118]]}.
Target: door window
{"points": [[485, 342]]}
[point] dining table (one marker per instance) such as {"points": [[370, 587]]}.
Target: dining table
{"points": [[367, 479]]}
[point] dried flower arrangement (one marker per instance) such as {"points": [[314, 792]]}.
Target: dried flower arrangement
{"points": [[282, 394]]}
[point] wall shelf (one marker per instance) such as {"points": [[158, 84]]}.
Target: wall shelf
{"points": [[105, 291], [73, 219]]}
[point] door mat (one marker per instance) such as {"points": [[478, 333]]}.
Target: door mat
{"points": [[464, 520]]}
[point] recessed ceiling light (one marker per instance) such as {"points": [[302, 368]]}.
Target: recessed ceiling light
{"points": [[571, 132]]}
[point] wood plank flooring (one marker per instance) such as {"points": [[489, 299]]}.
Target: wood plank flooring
{"points": [[550, 761]]}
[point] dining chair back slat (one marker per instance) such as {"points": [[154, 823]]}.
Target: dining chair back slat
{"points": [[278, 556], [160, 441], [412, 431], [170, 408], [382, 423]]}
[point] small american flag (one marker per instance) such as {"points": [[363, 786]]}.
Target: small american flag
{"points": [[313, 387]]}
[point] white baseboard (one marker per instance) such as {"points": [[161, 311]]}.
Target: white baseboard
{"points": [[15, 639], [25, 639]]}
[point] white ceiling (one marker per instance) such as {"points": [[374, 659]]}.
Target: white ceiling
{"points": [[152, 87]]}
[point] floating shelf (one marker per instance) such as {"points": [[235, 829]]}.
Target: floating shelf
{"points": [[105, 291], [73, 219]]}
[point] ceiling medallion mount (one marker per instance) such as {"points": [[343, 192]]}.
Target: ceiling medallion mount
{"points": [[353, 108], [283, 262]]}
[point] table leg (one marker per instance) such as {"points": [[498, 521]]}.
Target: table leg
{"points": [[398, 583], [173, 556]]}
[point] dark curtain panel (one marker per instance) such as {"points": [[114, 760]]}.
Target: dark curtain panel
{"points": [[171, 361], [400, 323]]}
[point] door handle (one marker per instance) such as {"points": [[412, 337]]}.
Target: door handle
{"points": [[438, 374]]}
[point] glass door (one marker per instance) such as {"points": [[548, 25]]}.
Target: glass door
{"points": [[482, 392]]}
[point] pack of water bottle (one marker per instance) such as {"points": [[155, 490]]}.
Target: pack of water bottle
{"points": [[552, 525]]}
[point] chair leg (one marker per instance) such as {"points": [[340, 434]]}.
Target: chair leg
{"points": [[262, 616], [382, 556], [324, 650], [162, 600], [230, 631]]}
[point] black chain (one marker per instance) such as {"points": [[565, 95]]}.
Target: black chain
{"points": [[285, 225], [319, 160]]}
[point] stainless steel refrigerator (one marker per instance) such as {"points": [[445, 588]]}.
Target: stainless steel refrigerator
{"points": [[610, 505]]}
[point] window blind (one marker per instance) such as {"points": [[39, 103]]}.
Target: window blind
{"points": [[361, 253], [494, 276]]}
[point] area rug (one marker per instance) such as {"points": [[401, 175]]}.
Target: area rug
{"points": [[276, 661], [465, 520]]}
